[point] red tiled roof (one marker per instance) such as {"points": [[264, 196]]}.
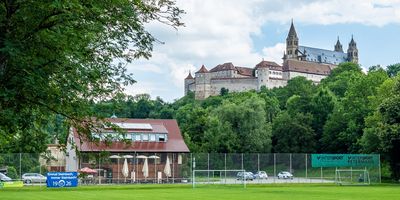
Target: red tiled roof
{"points": [[223, 67], [189, 76], [269, 64], [175, 142], [202, 70], [307, 67], [234, 78], [245, 71]]}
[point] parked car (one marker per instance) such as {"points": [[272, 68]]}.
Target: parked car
{"points": [[33, 178], [285, 175], [261, 175], [245, 175], [4, 178]]}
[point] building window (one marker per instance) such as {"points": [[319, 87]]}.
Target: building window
{"points": [[145, 137], [137, 137], [152, 137], [162, 138]]}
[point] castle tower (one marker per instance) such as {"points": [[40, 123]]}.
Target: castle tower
{"points": [[188, 81], [203, 83], [292, 43], [352, 51], [262, 75], [338, 46]]}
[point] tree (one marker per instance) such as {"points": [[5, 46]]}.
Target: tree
{"points": [[341, 77], [224, 91], [322, 105], [293, 133], [393, 70], [57, 57], [243, 124], [296, 86]]}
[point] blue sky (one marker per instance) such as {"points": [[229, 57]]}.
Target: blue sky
{"points": [[246, 31]]}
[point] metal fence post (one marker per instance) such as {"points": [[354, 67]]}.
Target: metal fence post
{"points": [[290, 163], [225, 167], [306, 167], [98, 175], [379, 170], [321, 176], [208, 168], [242, 162], [20, 165], [274, 166]]}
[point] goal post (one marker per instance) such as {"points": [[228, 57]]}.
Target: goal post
{"points": [[217, 176], [352, 177]]}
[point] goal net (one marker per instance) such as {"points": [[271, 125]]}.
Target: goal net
{"points": [[352, 177], [219, 177]]}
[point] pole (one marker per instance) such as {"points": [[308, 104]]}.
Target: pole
{"points": [[40, 168], [290, 163], [193, 171], [98, 172], [274, 166], [306, 167], [321, 176], [225, 168], [379, 170], [118, 169], [173, 168], [20, 175], [208, 168]]}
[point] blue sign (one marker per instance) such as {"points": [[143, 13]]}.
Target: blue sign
{"points": [[62, 179]]}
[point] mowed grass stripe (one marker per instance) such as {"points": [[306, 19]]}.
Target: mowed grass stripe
{"points": [[205, 192]]}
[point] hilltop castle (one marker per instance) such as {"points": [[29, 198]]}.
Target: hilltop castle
{"points": [[311, 63]]}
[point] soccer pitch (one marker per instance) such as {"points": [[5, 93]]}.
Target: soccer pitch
{"points": [[205, 192]]}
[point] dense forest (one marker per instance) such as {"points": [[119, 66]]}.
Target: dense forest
{"points": [[349, 112]]}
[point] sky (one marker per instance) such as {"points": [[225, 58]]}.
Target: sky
{"points": [[245, 32]]}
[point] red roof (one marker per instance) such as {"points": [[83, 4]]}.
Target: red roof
{"points": [[189, 76], [174, 143], [307, 67], [202, 70], [245, 71], [223, 67], [270, 65]]}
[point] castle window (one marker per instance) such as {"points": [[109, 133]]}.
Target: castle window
{"points": [[295, 42]]}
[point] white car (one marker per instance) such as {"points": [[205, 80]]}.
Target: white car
{"points": [[33, 178], [4, 178], [261, 175], [285, 175]]}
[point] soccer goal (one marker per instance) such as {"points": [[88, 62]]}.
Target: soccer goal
{"points": [[209, 177], [352, 177]]}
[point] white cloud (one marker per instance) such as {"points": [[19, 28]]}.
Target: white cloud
{"points": [[146, 67], [221, 31], [369, 12], [274, 53]]}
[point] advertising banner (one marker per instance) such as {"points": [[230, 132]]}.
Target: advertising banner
{"points": [[344, 160], [62, 179]]}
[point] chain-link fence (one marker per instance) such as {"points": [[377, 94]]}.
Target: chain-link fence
{"points": [[217, 168]]}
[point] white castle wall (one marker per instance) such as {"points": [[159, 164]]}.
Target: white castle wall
{"points": [[316, 78], [233, 85]]}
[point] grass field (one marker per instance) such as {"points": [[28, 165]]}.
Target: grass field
{"points": [[215, 192]]}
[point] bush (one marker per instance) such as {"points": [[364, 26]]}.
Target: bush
{"points": [[12, 172]]}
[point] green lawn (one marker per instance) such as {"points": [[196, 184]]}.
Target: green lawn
{"points": [[215, 192]]}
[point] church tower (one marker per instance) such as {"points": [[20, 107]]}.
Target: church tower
{"points": [[352, 51], [338, 46], [292, 43]]}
